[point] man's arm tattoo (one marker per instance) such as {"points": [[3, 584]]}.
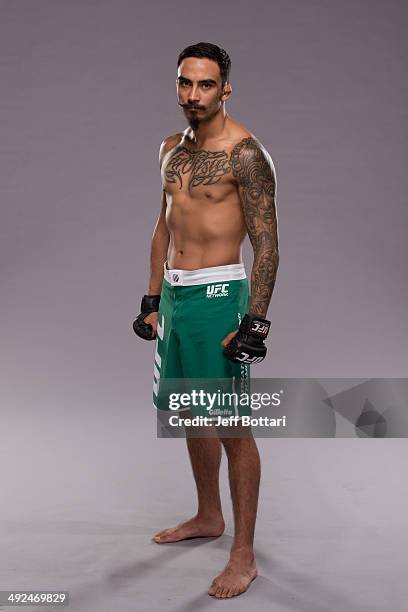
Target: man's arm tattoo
{"points": [[254, 171]]}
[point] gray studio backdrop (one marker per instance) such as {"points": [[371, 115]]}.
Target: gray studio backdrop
{"points": [[88, 93]]}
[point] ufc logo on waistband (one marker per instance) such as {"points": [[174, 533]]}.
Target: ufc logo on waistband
{"points": [[219, 290]]}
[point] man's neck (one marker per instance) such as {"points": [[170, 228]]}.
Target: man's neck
{"points": [[209, 130]]}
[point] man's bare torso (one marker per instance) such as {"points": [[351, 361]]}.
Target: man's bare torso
{"points": [[204, 213]]}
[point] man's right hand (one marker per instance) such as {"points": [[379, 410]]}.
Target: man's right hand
{"points": [[145, 325]]}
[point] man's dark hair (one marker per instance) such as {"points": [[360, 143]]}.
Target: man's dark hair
{"points": [[213, 52]]}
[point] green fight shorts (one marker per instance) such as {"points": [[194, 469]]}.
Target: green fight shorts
{"points": [[198, 308]]}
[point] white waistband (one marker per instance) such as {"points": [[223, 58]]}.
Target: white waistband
{"points": [[204, 275]]}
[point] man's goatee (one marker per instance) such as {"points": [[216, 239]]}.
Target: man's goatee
{"points": [[194, 123]]}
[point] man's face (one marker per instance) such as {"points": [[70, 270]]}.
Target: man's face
{"points": [[199, 89]]}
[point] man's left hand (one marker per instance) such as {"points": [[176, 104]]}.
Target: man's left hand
{"points": [[246, 345]]}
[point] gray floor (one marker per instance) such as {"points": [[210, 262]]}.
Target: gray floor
{"points": [[78, 511]]}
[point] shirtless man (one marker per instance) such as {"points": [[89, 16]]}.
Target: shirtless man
{"points": [[218, 185]]}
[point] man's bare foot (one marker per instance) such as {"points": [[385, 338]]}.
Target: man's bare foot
{"points": [[196, 527], [236, 576]]}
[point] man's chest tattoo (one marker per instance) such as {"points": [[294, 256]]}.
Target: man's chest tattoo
{"points": [[203, 167]]}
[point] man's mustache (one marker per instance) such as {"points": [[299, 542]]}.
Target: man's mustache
{"points": [[189, 107]]}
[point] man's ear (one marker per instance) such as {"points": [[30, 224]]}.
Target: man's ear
{"points": [[226, 92]]}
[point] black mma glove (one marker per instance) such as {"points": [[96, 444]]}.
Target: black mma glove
{"points": [[247, 346], [150, 303]]}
